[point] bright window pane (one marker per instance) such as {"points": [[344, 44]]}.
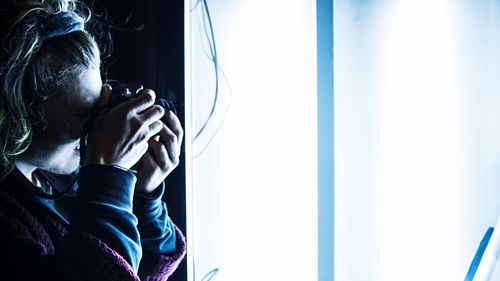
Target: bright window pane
{"points": [[417, 136], [253, 188]]}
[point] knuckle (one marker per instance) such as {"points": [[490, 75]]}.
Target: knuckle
{"points": [[142, 135], [163, 164], [161, 159], [179, 130], [154, 126], [160, 110], [135, 146], [172, 140], [157, 126], [150, 95], [130, 114], [171, 136]]}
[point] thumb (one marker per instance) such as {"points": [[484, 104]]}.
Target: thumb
{"points": [[105, 95]]}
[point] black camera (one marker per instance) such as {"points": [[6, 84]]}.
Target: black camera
{"points": [[123, 91], [120, 92]]}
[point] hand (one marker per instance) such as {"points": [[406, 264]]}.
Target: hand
{"points": [[120, 136], [162, 156]]}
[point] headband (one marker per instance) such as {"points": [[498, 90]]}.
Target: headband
{"points": [[60, 24]]}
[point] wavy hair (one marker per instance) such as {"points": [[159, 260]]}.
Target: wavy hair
{"points": [[32, 69]]}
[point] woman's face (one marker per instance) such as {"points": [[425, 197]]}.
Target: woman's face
{"points": [[55, 144]]}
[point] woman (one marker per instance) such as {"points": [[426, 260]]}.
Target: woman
{"points": [[113, 226]]}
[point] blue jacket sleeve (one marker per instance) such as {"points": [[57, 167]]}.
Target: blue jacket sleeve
{"points": [[104, 209], [155, 226]]}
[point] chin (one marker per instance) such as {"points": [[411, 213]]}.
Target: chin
{"points": [[63, 171], [66, 167]]}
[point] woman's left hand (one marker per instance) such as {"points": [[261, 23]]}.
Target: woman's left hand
{"points": [[162, 156]]}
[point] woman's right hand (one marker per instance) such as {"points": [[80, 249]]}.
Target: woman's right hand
{"points": [[120, 136]]}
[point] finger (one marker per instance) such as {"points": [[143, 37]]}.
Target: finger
{"points": [[102, 101], [160, 153], [145, 100], [140, 103], [175, 125], [105, 94], [153, 129], [170, 141], [152, 114]]}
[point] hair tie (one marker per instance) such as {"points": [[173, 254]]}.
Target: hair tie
{"points": [[60, 24]]}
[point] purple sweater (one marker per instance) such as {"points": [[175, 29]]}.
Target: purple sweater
{"points": [[36, 244]]}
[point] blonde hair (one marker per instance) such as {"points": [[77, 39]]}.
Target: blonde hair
{"points": [[31, 69]]}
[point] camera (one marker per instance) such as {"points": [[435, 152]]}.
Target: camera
{"points": [[120, 92], [123, 91]]}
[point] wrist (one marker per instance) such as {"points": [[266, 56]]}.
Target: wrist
{"points": [[154, 194], [119, 185]]}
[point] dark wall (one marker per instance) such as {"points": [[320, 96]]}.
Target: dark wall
{"points": [[153, 56]]}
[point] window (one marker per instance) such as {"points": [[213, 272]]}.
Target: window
{"points": [[253, 185], [417, 124]]}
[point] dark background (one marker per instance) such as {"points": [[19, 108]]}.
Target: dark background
{"points": [[154, 57]]}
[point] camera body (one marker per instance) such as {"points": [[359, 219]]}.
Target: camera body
{"points": [[123, 91], [120, 92]]}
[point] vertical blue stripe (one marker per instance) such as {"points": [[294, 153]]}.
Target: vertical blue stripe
{"points": [[324, 19]]}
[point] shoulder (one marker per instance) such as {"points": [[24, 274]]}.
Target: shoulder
{"points": [[27, 250], [20, 227]]}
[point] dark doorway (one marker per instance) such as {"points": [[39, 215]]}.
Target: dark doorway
{"points": [[153, 56]]}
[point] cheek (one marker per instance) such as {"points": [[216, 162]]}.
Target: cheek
{"points": [[61, 123], [53, 141], [63, 129]]}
